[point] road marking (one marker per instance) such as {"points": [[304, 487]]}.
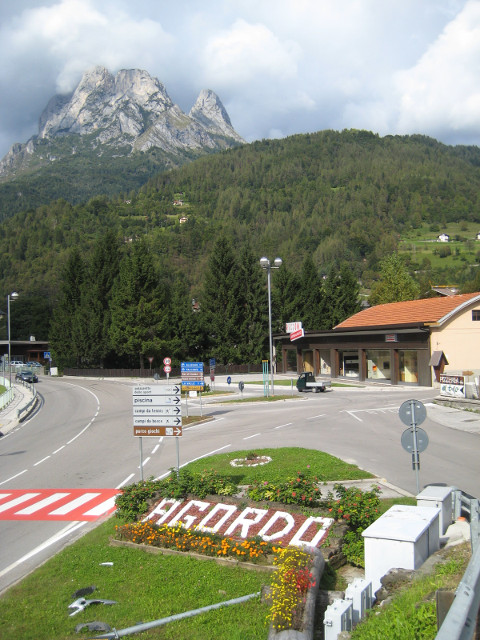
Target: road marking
{"points": [[321, 415], [254, 436], [70, 528], [352, 413], [71, 504], [40, 461], [124, 482], [288, 424], [13, 477], [59, 449]]}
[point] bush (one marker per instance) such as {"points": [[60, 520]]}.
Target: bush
{"points": [[133, 502], [302, 490], [358, 509]]}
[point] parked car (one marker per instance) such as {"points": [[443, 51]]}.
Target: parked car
{"points": [[16, 363], [26, 376], [33, 364]]}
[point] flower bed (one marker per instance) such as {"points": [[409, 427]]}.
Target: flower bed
{"points": [[185, 540]]}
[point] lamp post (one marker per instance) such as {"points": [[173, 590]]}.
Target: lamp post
{"points": [[11, 296], [265, 264]]}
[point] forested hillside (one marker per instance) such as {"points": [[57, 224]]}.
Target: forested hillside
{"points": [[337, 197]]}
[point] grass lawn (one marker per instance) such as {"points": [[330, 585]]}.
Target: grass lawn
{"points": [[146, 587], [285, 464]]}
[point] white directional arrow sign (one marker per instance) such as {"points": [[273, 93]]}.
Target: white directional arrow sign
{"points": [[157, 410], [156, 421]]}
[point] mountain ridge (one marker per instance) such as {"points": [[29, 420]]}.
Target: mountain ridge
{"points": [[128, 112]]}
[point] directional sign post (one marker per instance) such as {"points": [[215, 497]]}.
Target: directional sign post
{"points": [[157, 412]]}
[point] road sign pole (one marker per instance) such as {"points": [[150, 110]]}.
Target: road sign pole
{"points": [[415, 454], [141, 458], [178, 457]]}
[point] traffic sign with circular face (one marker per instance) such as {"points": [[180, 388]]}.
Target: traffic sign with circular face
{"points": [[408, 441], [412, 412], [241, 385], [167, 368], [167, 361]]}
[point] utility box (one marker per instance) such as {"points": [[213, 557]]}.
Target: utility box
{"points": [[403, 537], [438, 498], [338, 617], [359, 592]]}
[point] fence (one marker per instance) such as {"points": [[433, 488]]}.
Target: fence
{"points": [[461, 620], [220, 369]]}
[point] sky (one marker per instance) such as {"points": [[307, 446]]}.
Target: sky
{"points": [[280, 67]]}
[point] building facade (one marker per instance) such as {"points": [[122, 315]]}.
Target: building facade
{"points": [[408, 342]]}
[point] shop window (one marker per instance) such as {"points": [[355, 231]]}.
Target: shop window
{"points": [[378, 365], [408, 366]]}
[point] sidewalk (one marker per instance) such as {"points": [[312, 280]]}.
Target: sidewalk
{"points": [[14, 413]]}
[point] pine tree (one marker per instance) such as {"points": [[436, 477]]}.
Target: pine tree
{"points": [[223, 296], [395, 283], [92, 321], [254, 308], [62, 337], [341, 297], [139, 308], [309, 300]]}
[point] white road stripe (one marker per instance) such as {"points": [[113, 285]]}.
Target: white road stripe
{"points": [[40, 461], [284, 425], [43, 503], [74, 504], [13, 477], [13, 503], [254, 436], [101, 508]]}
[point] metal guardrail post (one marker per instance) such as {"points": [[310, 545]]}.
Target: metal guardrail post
{"points": [[474, 523]]}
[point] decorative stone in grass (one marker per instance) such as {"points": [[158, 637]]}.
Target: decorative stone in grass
{"points": [[250, 461]]}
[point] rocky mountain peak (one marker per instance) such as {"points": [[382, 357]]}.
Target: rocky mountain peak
{"points": [[129, 111], [209, 110]]}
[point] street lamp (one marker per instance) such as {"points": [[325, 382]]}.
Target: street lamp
{"points": [[11, 296], [265, 264]]}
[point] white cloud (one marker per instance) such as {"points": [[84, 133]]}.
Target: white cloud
{"points": [[249, 53], [442, 91], [280, 67]]}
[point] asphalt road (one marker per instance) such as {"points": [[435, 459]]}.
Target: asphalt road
{"points": [[82, 437]]}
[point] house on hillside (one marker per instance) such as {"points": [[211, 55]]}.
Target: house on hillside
{"points": [[477, 236], [408, 342], [443, 237]]}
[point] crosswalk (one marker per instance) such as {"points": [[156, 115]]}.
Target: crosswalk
{"points": [[57, 504]]}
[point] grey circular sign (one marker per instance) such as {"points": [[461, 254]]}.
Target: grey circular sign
{"points": [[408, 443], [241, 386], [412, 412]]}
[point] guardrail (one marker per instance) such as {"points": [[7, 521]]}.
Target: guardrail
{"points": [[27, 408], [461, 620]]}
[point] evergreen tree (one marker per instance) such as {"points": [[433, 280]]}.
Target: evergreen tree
{"points": [[62, 337], [186, 336], [139, 308], [223, 290], [341, 297], [309, 300], [285, 299], [92, 321], [254, 307], [395, 283]]}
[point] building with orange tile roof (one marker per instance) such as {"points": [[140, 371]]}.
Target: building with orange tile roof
{"points": [[410, 342]]}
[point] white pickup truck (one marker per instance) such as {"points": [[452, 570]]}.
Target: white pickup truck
{"points": [[307, 382]]}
